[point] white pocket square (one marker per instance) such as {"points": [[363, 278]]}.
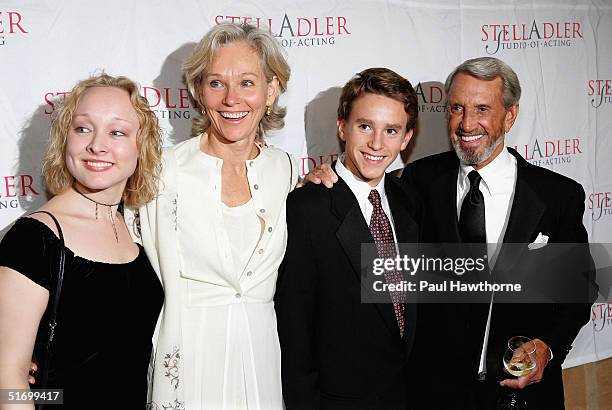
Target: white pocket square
{"points": [[540, 242]]}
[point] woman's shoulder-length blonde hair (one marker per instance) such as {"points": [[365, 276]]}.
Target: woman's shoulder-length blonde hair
{"points": [[273, 63], [142, 185]]}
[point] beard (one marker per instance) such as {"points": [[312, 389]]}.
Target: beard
{"points": [[472, 157]]}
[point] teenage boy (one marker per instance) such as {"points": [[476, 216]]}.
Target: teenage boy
{"points": [[337, 352]]}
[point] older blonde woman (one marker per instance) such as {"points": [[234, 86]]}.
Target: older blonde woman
{"points": [[104, 151], [217, 231]]}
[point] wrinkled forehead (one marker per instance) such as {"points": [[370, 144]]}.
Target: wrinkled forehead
{"points": [[468, 88], [235, 57]]}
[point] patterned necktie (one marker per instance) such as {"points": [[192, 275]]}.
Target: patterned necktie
{"points": [[381, 231], [472, 215]]}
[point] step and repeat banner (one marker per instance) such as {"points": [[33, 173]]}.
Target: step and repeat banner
{"points": [[561, 50]]}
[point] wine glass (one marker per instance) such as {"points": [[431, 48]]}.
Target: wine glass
{"points": [[519, 360]]}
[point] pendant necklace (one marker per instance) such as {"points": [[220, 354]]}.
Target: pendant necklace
{"points": [[110, 211]]}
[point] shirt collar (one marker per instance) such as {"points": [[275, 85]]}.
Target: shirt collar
{"points": [[358, 186], [492, 173]]}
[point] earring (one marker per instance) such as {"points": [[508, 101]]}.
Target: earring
{"points": [[268, 110]]}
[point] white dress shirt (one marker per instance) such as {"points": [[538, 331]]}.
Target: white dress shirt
{"points": [[361, 190], [497, 186]]}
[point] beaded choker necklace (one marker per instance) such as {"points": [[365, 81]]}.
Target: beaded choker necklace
{"points": [[110, 210]]}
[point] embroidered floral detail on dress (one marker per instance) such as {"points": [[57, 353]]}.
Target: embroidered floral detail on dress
{"points": [[176, 405], [136, 224], [171, 363], [175, 212]]}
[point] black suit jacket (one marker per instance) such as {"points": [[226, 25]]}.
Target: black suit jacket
{"points": [[337, 352], [450, 336]]}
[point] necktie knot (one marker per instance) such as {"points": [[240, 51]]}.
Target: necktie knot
{"points": [[472, 215], [474, 178], [374, 198]]}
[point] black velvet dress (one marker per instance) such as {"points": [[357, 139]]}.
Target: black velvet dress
{"points": [[107, 315]]}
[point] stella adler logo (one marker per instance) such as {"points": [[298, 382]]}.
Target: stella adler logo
{"points": [[14, 186], [601, 315], [11, 24], [309, 163], [552, 151], [534, 34], [170, 103], [600, 204], [166, 102], [292, 31], [601, 92], [430, 97]]}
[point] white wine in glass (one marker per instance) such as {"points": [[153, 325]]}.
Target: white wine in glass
{"points": [[520, 368], [519, 360]]}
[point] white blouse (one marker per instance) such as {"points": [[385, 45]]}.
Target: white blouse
{"points": [[244, 229]]}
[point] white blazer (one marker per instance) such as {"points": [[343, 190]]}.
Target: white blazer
{"points": [[184, 237]]}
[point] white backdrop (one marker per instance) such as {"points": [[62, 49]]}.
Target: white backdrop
{"points": [[561, 51]]}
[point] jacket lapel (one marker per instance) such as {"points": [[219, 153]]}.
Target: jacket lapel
{"points": [[527, 207], [353, 230], [525, 215], [352, 233]]}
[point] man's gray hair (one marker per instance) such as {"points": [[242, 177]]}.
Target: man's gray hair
{"points": [[489, 68]]}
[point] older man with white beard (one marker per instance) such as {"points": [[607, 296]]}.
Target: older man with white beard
{"points": [[484, 192]]}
